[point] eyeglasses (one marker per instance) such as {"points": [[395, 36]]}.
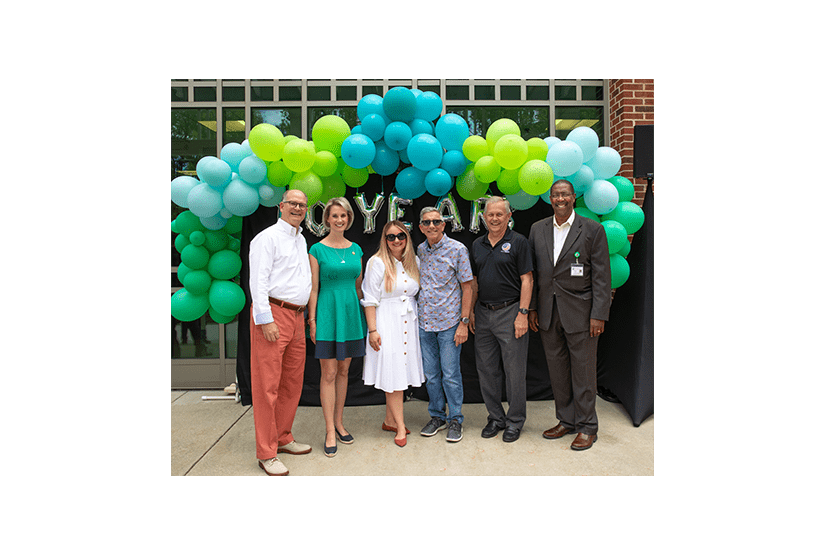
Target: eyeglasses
{"points": [[299, 205], [392, 237], [428, 222], [560, 195]]}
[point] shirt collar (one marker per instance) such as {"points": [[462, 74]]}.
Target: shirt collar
{"points": [[438, 244], [288, 229], [508, 234], [569, 221]]}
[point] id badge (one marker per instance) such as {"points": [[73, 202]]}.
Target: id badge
{"points": [[577, 270]]}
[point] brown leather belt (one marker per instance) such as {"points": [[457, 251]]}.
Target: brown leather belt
{"points": [[284, 304], [498, 306]]}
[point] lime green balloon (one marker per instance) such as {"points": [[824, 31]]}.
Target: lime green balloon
{"points": [[197, 282], [535, 177], [187, 306], [619, 270], [625, 187], [499, 129], [584, 211], [278, 174], [629, 214], [507, 182], [616, 236], [625, 250], [536, 149], [334, 186], [310, 184], [487, 169], [325, 163], [220, 318], [224, 265], [195, 256], [227, 298], [474, 148], [266, 142], [329, 133], [299, 155], [469, 187], [354, 178], [510, 151]]}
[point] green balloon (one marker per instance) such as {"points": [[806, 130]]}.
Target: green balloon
{"points": [[616, 236], [329, 133], [266, 142], [234, 244], [197, 282], [468, 186], [354, 178], [334, 186], [625, 187], [629, 214], [507, 182], [624, 251], [536, 149], [220, 318], [487, 169], [619, 270], [233, 225], [299, 155], [216, 240], [510, 151], [183, 271], [197, 238], [187, 306], [224, 265], [227, 298], [325, 163], [475, 147], [535, 177], [278, 174], [187, 223], [194, 256], [587, 212], [181, 241], [499, 129], [310, 184]]}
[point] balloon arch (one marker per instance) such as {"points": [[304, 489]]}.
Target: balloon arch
{"points": [[405, 129]]}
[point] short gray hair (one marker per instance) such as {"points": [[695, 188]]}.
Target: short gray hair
{"points": [[427, 210], [343, 203], [494, 199]]}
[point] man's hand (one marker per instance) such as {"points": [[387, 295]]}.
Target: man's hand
{"points": [[472, 322], [596, 327], [533, 320], [460, 334], [521, 325], [271, 332]]}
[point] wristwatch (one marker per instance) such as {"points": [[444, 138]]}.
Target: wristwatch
{"points": [[465, 320], [523, 311]]}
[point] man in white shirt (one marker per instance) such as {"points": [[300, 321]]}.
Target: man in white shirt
{"points": [[280, 282], [571, 301]]}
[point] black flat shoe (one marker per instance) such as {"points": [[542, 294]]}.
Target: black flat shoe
{"points": [[345, 439], [511, 434], [330, 451], [491, 429]]}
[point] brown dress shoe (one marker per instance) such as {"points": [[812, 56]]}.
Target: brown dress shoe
{"points": [[583, 442], [557, 432]]}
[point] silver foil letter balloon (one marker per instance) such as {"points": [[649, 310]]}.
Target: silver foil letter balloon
{"points": [[369, 212]]}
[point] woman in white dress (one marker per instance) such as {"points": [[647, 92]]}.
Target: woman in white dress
{"points": [[393, 359]]}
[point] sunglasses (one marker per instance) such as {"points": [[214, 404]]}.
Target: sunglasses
{"points": [[393, 237], [428, 222]]}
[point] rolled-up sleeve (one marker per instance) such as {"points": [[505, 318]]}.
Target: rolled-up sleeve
{"points": [[372, 283], [261, 255]]}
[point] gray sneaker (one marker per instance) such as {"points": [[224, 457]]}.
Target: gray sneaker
{"points": [[434, 426], [454, 433]]}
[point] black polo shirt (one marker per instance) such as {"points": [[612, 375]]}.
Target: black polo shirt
{"points": [[499, 269]]}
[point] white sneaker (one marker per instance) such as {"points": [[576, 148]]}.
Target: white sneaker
{"points": [[273, 467], [295, 448]]}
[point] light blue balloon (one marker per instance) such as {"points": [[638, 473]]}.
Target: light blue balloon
{"points": [[454, 162], [252, 170], [216, 222], [373, 126], [425, 152], [582, 180], [522, 200], [240, 198], [587, 139], [420, 126], [204, 200], [400, 104], [214, 172], [181, 186], [233, 154], [565, 158], [358, 151], [605, 163], [438, 182], [452, 130], [552, 140], [602, 197], [410, 183], [386, 160], [428, 106], [270, 195], [397, 135]]}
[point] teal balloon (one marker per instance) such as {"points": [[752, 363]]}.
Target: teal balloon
{"points": [[616, 236], [195, 256], [216, 222], [227, 298], [452, 130], [397, 135], [399, 104], [181, 186], [240, 198], [454, 162], [619, 270], [629, 214], [187, 306], [410, 183], [220, 318], [204, 200], [197, 281], [425, 152], [370, 104], [625, 187], [358, 151], [420, 126], [602, 197], [224, 265], [252, 170], [438, 182], [428, 106], [386, 160], [586, 212], [373, 126]]}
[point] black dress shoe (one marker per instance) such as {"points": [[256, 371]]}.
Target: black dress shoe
{"points": [[511, 434], [491, 429]]}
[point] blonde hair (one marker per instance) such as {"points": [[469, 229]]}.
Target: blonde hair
{"points": [[407, 257], [343, 203]]}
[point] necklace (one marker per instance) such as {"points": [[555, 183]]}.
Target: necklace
{"points": [[342, 257]]}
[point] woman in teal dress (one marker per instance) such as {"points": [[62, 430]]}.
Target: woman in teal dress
{"points": [[336, 320]]}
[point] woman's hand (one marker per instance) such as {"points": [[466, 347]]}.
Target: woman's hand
{"points": [[312, 331], [375, 340]]}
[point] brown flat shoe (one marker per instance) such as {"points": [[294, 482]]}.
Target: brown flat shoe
{"points": [[401, 443], [583, 442], [556, 432], [385, 427]]}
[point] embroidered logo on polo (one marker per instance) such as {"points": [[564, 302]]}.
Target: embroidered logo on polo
{"points": [[505, 247]]}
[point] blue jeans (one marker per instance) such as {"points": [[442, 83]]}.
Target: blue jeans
{"points": [[442, 368]]}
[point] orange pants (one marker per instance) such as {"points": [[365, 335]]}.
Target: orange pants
{"points": [[277, 370]]}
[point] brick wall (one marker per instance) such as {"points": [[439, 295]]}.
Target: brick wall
{"points": [[630, 104]]}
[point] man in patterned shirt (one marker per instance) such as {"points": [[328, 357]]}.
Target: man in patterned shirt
{"points": [[444, 302]]}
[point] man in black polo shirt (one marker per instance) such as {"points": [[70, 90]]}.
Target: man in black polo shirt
{"points": [[502, 266]]}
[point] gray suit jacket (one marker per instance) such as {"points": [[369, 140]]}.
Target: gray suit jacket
{"points": [[578, 298]]}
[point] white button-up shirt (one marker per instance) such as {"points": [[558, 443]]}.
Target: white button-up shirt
{"points": [[560, 233], [279, 268]]}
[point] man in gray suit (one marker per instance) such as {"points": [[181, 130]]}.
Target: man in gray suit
{"points": [[571, 302]]}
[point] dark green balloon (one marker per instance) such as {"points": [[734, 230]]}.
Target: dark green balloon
{"points": [[194, 256], [233, 225], [624, 251], [197, 282], [619, 270], [224, 265], [616, 235], [181, 241], [187, 306], [220, 318], [588, 213], [227, 298], [187, 223], [216, 240], [625, 187], [629, 214]]}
